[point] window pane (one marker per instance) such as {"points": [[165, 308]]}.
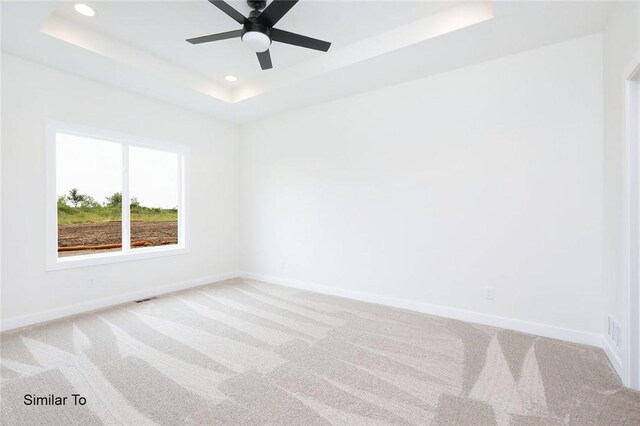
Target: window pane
{"points": [[153, 188], [88, 185]]}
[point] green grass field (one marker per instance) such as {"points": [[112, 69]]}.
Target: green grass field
{"points": [[67, 215]]}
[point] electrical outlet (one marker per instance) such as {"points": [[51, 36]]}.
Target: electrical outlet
{"points": [[614, 332], [489, 292], [91, 282]]}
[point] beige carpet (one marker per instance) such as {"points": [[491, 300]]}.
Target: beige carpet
{"points": [[252, 353]]}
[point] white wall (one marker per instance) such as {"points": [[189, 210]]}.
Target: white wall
{"points": [[490, 175], [31, 94], [621, 46], [1, 57]]}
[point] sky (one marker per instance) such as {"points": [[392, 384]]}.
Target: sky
{"points": [[94, 167]]}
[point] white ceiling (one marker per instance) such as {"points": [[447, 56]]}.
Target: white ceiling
{"points": [[140, 46]]}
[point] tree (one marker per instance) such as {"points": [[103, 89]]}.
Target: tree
{"points": [[62, 201], [114, 200], [75, 197], [89, 202]]}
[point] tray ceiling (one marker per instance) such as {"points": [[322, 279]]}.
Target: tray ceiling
{"points": [[140, 46]]}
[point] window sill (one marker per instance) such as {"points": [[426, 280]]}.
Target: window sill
{"points": [[87, 260]]}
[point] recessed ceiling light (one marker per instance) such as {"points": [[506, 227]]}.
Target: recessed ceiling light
{"points": [[83, 9], [231, 78]]}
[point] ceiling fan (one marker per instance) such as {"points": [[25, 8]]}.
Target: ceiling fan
{"points": [[257, 31]]}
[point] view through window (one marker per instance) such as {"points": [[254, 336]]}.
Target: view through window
{"points": [[153, 184], [95, 178]]}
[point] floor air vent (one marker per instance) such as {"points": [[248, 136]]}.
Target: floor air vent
{"points": [[146, 300]]}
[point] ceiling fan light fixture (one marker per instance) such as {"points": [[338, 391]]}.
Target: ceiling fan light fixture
{"points": [[256, 41]]}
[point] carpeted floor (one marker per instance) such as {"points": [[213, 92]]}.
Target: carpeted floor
{"points": [[252, 353]]}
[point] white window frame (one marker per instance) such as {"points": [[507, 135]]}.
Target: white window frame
{"points": [[53, 262]]}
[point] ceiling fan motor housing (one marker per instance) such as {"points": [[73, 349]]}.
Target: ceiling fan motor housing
{"points": [[257, 4]]}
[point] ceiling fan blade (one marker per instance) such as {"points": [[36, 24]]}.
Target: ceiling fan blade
{"points": [[229, 10], [275, 11], [265, 60], [215, 37], [299, 40]]}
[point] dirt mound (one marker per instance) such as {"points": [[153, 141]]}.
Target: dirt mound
{"points": [[107, 234]]}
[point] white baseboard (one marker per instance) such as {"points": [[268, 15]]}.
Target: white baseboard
{"points": [[614, 359], [545, 330], [92, 305]]}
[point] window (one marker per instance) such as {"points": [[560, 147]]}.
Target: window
{"points": [[112, 197]]}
